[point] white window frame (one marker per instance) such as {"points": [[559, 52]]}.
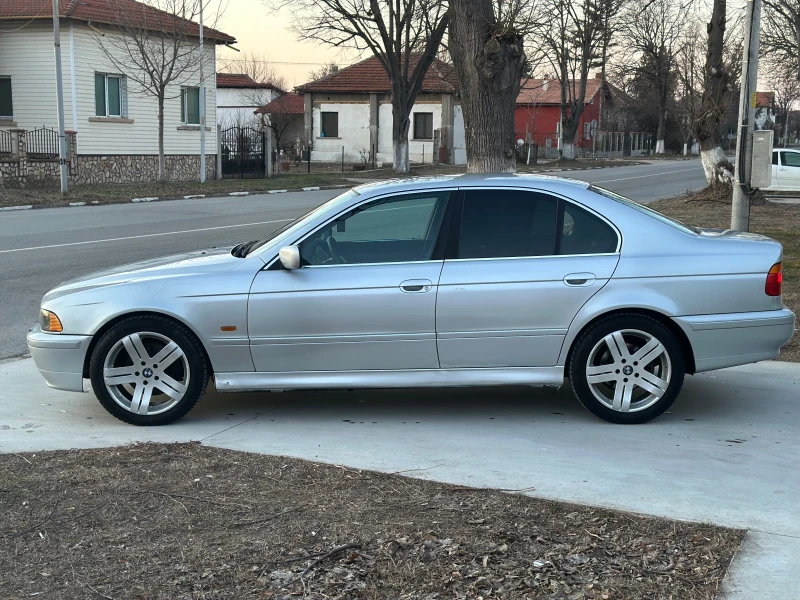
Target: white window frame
{"points": [[122, 91], [11, 83], [185, 105]]}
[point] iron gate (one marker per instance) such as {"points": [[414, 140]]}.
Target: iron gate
{"points": [[243, 153]]}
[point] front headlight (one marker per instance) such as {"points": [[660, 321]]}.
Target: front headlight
{"points": [[49, 322]]}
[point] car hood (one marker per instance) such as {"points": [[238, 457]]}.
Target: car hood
{"points": [[190, 263]]}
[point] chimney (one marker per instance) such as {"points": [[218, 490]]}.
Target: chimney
{"points": [[545, 85], [598, 75], [334, 68]]}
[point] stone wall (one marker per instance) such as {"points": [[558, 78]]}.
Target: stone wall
{"points": [[18, 170], [138, 168]]}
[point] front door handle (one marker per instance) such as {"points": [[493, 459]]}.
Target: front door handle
{"points": [[580, 279], [416, 286]]}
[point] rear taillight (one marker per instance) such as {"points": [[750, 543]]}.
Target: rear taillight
{"points": [[774, 280]]}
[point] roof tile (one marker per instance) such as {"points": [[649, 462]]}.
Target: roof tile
{"points": [[100, 11]]}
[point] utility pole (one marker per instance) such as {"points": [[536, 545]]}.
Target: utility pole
{"points": [[202, 103], [62, 137], [740, 208]]}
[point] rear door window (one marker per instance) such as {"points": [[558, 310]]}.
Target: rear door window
{"points": [[585, 233], [507, 224]]}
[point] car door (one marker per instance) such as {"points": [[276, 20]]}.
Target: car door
{"points": [[364, 297], [519, 266], [789, 170]]}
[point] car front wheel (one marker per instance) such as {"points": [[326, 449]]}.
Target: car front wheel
{"points": [[148, 370], [627, 369]]}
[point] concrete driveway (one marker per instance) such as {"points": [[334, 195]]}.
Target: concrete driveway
{"points": [[728, 451]]}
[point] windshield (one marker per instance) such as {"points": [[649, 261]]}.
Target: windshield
{"points": [[644, 209], [321, 208]]}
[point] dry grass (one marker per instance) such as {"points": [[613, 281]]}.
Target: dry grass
{"points": [[186, 521], [778, 221]]}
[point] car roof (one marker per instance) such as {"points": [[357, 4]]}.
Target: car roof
{"points": [[470, 180]]}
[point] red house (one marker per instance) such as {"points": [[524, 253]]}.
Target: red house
{"points": [[538, 114]]}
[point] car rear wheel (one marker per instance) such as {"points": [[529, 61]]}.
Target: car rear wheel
{"points": [[148, 370], [627, 369]]}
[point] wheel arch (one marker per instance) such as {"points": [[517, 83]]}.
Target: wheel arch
{"points": [[662, 318], [140, 313]]}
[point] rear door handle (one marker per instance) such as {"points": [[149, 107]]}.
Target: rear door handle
{"points": [[580, 279], [416, 286]]}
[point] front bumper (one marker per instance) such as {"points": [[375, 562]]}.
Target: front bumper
{"points": [[59, 358], [728, 340]]}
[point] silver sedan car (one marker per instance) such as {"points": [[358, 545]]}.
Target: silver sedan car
{"points": [[433, 282]]}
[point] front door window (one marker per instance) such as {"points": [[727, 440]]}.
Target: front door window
{"points": [[395, 229]]}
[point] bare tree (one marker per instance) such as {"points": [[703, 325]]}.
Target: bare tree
{"points": [[325, 70], [404, 35], [155, 46], [719, 80], [256, 66], [689, 68], [282, 115], [783, 82], [572, 35], [654, 36], [486, 45], [780, 33]]}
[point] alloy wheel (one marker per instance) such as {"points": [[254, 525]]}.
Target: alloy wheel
{"points": [[146, 373], [628, 370]]}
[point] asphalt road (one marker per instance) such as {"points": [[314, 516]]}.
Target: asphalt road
{"points": [[41, 248]]}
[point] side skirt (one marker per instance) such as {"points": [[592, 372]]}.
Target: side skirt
{"points": [[418, 378]]}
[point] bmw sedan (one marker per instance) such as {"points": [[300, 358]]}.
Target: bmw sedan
{"points": [[432, 282]]}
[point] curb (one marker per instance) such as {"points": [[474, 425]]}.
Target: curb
{"points": [[25, 207], [150, 199]]}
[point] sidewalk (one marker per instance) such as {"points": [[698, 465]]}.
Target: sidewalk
{"points": [[726, 453]]}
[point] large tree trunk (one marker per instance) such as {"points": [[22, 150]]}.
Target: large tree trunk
{"points": [[716, 166], [568, 131], [488, 61], [401, 123], [162, 174], [662, 129]]}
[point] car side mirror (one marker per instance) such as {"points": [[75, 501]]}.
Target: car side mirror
{"points": [[290, 257]]}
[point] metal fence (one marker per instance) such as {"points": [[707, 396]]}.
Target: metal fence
{"points": [[242, 153], [42, 144], [5, 144]]}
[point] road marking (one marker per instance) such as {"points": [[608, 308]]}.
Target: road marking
{"points": [[148, 235], [650, 175]]}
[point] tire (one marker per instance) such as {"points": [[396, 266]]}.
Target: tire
{"points": [[616, 387], [144, 392]]}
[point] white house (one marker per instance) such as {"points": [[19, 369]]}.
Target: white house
{"points": [[239, 96], [351, 111], [113, 126]]}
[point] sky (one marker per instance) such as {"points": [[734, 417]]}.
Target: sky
{"points": [[260, 31]]}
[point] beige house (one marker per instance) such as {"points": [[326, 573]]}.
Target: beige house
{"points": [[112, 125]]}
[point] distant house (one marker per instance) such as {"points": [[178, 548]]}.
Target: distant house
{"points": [[538, 119], [765, 110], [285, 115], [351, 109], [239, 96], [113, 129]]}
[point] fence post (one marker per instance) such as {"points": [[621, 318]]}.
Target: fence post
{"points": [[308, 158], [342, 159], [374, 152], [219, 152], [268, 153]]}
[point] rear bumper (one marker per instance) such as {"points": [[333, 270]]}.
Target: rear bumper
{"points": [[727, 340], [59, 358]]}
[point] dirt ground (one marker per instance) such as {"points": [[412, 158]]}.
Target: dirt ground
{"points": [[185, 521], [778, 221]]}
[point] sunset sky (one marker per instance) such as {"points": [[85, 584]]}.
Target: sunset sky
{"points": [[262, 32]]}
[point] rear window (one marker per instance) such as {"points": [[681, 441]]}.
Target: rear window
{"points": [[644, 209]]}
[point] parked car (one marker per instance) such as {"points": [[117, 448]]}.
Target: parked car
{"points": [[432, 282], [785, 170]]}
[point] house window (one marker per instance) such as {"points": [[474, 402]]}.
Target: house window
{"points": [[109, 94], [587, 130], [423, 126], [329, 124], [190, 106], [6, 106]]}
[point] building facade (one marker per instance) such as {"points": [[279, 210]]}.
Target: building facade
{"points": [[348, 116], [239, 97], [112, 124]]}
